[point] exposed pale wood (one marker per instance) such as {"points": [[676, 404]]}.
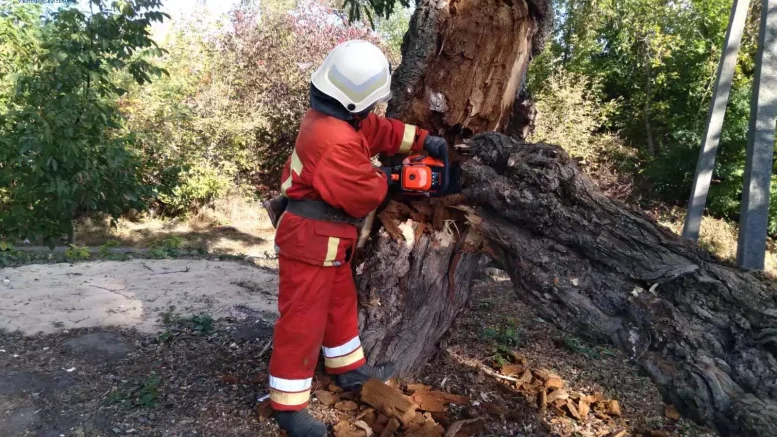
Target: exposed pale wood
{"points": [[388, 400], [391, 427]]}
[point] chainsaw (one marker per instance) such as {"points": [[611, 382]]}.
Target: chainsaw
{"points": [[423, 176]]}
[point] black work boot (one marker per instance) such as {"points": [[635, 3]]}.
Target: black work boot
{"points": [[354, 379], [299, 424]]}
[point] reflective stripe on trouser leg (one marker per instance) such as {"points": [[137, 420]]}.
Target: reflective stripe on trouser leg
{"points": [[289, 393], [343, 356]]}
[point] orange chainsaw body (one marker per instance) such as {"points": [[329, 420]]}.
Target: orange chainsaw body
{"points": [[421, 175]]}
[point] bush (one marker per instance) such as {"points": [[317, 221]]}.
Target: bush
{"points": [[60, 154], [227, 116]]}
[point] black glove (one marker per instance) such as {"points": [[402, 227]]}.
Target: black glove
{"points": [[387, 172], [436, 146]]}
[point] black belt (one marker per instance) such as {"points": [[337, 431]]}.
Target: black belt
{"points": [[318, 210]]}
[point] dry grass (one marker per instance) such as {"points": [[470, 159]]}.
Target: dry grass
{"points": [[231, 225], [718, 236]]}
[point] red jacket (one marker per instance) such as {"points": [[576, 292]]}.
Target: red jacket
{"points": [[331, 162]]}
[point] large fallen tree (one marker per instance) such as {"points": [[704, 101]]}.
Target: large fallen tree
{"points": [[705, 331]]}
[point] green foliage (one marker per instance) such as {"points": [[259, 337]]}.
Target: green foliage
{"points": [[507, 335], [650, 66], [227, 116], [393, 29], [200, 323], [578, 346], [8, 254], [77, 253], [143, 395], [60, 152], [105, 249], [168, 247]]}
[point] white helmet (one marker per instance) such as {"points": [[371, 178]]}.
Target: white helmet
{"points": [[355, 73]]}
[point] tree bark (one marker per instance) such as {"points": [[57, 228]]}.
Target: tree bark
{"points": [[705, 331], [463, 64]]}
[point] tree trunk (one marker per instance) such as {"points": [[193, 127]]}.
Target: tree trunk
{"points": [[463, 65], [705, 331]]}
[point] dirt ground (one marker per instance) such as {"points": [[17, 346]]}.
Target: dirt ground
{"points": [[130, 294], [201, 375]]}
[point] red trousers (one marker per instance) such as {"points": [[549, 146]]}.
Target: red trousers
{"points": [[318, 308]]}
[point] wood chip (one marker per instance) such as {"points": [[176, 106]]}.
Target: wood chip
{"points": [[558, 394], [342, 429], [620, 433], [542, 374], [390, 226], [583, 408], [335, 389], [615, 408], [437, 401], [438, 217], [419, 230], [558, 411], [525, 378], [388, 400], [428, 429], [264, 410], [560, 403], [511, 369], [363, 426], [671, 412], [413, 388], [543, 401], [346, 406], [466, 428], [391, 427], [573, 410], [422, 206], [327, 397], [554, 382]]}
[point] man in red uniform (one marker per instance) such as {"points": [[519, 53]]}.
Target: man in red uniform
{"points": [[330, 185]]}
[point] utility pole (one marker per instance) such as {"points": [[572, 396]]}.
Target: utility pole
{"points": [[754, 216], [709, 148]]}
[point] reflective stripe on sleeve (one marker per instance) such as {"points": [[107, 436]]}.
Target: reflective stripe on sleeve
{"points": [[407, 139], [296, 167]]}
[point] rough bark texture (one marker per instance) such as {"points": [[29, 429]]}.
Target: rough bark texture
{"points": [[463, 64], [706, 332], [410, 290]]}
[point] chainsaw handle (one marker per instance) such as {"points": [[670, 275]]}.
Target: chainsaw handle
{"points": [[447, 171]]}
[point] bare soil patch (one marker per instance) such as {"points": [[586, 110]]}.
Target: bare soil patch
{"points": [[132, 294]]}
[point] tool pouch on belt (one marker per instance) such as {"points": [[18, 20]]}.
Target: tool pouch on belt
{"points": [[319, 210], [275, 208]]}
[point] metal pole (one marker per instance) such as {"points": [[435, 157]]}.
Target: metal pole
{"points": [[709, 147], [754, 216]]}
